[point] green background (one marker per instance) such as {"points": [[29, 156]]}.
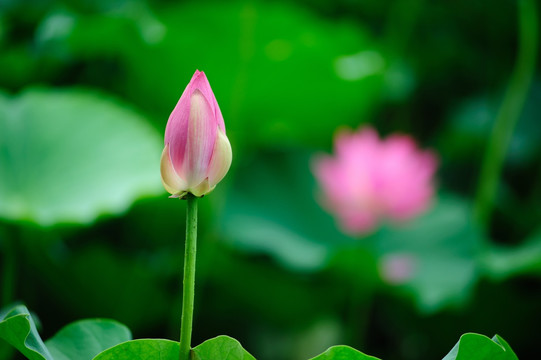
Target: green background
{"points": [[86, 88]]}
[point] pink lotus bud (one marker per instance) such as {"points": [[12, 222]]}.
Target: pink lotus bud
{"points": [[197, 153], [369, 179]]}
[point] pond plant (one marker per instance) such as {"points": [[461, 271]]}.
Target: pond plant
{"points": [[196, 157]]}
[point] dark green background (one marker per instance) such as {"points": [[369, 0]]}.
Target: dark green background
{"points": [[86, 88]]}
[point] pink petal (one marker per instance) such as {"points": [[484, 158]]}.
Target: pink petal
{"points": [[176, 131], [358, 222], [172, 182], [201, 138], [201, 189], [221, 159], [201, 83]]}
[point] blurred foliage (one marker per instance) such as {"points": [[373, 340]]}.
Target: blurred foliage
{"points": [[101, 339], [343, 352], [475, 346], [142, 349], [68, 157], [86, 338], [86, 88], [19, 329]]}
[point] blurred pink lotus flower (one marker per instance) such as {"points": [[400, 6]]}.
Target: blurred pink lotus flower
{"points": [[370, 179], [396, 269], [197, 153]]}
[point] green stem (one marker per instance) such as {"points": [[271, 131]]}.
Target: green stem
{"points": [[189, 278], [8, 271], [509, 112]]}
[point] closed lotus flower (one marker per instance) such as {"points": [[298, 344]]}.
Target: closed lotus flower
{"points": [[371, 179], [197, 152]]}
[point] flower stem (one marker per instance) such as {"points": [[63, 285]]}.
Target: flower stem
{"points": [[188, 286], [509, 112]]}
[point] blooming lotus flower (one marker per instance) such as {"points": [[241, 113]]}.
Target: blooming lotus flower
{"points": [[369, 179], [197, 153]]}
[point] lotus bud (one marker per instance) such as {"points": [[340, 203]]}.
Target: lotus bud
{"points": [[197, 152]]}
